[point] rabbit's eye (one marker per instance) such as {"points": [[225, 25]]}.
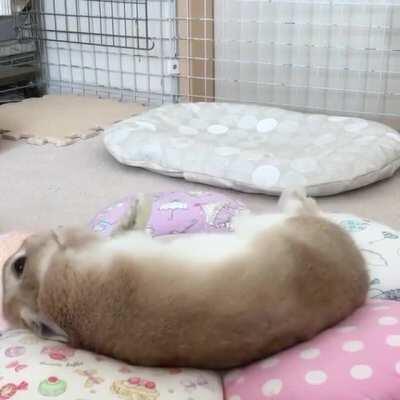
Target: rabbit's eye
{"points": [[19, 265]]}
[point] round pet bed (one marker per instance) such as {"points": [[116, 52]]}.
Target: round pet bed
{"points": [[257, 149]]}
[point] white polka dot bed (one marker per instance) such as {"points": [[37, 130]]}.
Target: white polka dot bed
{"points": [[257, 149]]}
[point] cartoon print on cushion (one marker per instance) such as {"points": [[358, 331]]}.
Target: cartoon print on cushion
{"points": [[374, 259], [376, 293], [15, 351], [58, 352], [124, 370], [219, 215], [10, 389], [102, 226], [52, 387], [86, 376], [190, 212], [16, 366], [108, 219], [191, 384], [174, 212], [172, 206], [135, 389], [220, 211], [92, 377], [354, 225], [386, 235]]}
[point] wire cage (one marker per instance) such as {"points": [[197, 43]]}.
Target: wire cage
{"points": [[19, 61], [330, 56], [108, 48]]}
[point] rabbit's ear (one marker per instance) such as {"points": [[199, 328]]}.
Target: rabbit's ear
{"points": [[42, 326], [59, 237], [72, 236]]}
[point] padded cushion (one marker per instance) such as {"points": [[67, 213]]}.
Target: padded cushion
{"points": [[175, 212], [257, 149], [36, 369], [358, 359], [380, 246]]}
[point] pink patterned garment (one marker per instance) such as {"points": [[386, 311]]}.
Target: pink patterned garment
{"points": [[176, 212], [359, 359]]}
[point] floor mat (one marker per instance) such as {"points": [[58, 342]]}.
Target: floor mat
{"points": [[61, 120]]}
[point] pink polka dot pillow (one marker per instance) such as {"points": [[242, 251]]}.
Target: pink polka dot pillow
{"points": [[359, 359]]}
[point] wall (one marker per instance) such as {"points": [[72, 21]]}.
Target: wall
{"points": [[327, 56]]}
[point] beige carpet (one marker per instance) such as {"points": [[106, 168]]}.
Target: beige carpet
{"points": [[61, 120], [46, 186]]}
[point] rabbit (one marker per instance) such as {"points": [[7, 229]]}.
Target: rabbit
{"points": [[212, 301]]}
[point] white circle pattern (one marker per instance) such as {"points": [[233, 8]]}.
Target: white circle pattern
{"points": [[267, 125], [346, 329], [353, 346], [217, 129], [266, 176], [310, 354], [272, 387], [247, 122], [316, 377], [361, 372], [397, 367], [388, 321], [270, 362], [393, 340]]}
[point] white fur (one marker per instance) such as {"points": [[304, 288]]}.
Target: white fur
{"points": [[248, 226], [206, 247], [201, 249]]}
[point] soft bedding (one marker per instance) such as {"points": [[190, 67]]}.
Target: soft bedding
{"points": [[256, 148]]}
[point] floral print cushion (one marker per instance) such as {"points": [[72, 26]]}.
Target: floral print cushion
{"points": [[380, 246], [34, 369]]}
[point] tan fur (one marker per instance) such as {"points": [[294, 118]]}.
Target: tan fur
{"points": [[296, 279]]}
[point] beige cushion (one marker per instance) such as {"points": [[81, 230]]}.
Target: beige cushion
{"points": [[257, 149]]}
